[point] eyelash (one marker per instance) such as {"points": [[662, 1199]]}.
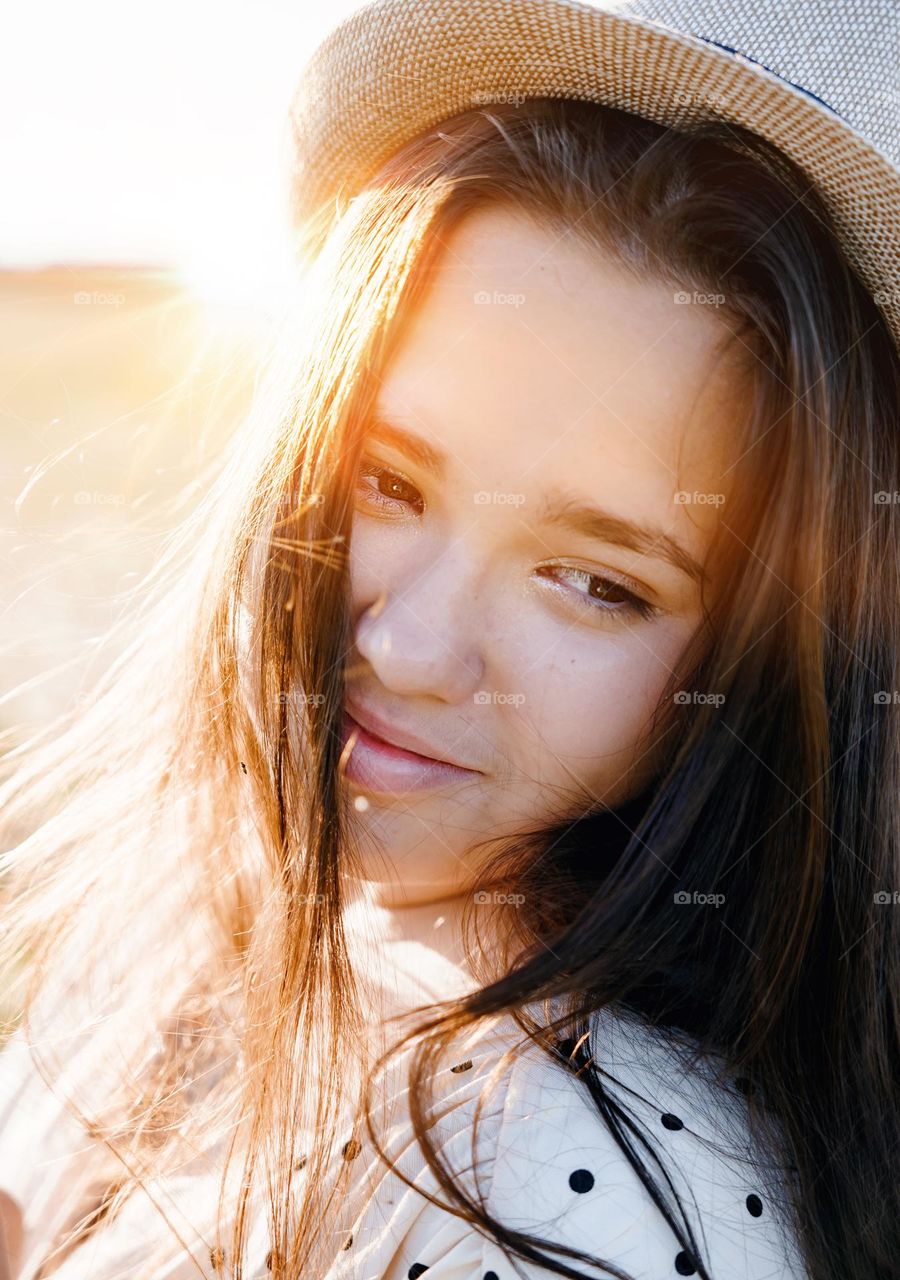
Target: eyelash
{"points": [[373, 469], [632, 606]]}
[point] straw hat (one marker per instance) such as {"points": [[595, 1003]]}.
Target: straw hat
{"points": [[819, 78]]}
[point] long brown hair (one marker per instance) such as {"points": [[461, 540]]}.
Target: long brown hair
{"points": [[196, 838]]}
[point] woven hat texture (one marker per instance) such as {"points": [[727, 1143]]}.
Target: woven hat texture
{"points": [[819, 78]]}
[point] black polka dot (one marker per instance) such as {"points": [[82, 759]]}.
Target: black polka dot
{"points": [[462, 1066], [417, 1269], [671, 1122], [684, 1264], [491, 1275], [581, 1180], [754, 1206], [352, 1149]]}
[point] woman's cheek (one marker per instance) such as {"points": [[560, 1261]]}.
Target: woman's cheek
{"points": [[366, 557], [596, 704]]}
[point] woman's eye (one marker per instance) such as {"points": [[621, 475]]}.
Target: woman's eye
{"points": [[389, 487], [382, 487], [604, 596]]}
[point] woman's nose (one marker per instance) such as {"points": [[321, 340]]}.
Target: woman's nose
{"points": [[426, 639]]}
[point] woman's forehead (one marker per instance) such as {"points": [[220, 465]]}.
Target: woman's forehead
{"points": [[534, 355]]}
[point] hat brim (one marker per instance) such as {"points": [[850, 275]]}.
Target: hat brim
{"points": [[396, 68]]}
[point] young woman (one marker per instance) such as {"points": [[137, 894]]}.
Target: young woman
{"points": [[479, 859]]}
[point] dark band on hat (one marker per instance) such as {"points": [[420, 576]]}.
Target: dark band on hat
{"points": [[740, 53]]}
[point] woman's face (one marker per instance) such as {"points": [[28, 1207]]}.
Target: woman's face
{"points": [[525, 569]]}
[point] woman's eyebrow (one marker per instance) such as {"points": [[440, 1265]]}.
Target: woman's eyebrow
{"points": [[562, 510], [580, 517], [426, 455]]}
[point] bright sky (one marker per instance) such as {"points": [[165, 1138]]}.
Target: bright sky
{"points": [[151, 133]]}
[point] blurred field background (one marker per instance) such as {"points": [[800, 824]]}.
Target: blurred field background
{"points": [[117, 389], [143, 251]]}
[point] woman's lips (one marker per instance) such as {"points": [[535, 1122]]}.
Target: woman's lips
{"points": [[379, 766]]}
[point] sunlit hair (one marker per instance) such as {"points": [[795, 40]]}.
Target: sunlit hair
{"points": [[179, 845]]}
